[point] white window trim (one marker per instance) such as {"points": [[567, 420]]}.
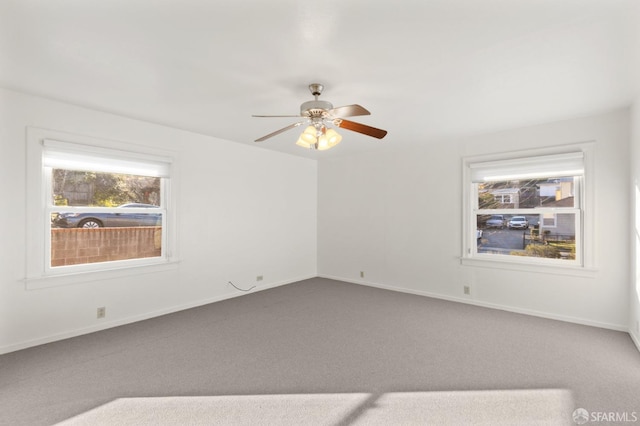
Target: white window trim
{"points": [[587, 265], [39, 273]]}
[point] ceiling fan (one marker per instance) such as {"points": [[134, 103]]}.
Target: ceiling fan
{"points": [[317, 115]]}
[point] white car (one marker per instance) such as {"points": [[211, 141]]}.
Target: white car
{"points": [[518, 222]]}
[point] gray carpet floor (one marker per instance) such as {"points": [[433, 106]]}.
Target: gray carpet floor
{"points": [[329, 353]]}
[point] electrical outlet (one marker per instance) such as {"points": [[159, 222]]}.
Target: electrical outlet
{"points": [[467, 289], [102, 312], [361, 274], [259, 278]]}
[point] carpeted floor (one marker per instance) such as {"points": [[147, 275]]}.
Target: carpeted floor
{"points": [[328, 353]]}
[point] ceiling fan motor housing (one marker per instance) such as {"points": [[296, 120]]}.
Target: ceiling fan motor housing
{"points": [[315, 108]]}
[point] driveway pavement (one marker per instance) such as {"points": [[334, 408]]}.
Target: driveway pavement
{"points": [[502, 240]]}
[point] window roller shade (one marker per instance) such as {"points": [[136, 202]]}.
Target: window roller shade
{"points": [[571, 164], [70, 156]]}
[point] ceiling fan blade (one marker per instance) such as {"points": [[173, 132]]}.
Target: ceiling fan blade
{"points": [[360, 128], [269, 116], [348, 111], [277, 132]]}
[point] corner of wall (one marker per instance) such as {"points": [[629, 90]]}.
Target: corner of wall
{"points": [[634, 243]]}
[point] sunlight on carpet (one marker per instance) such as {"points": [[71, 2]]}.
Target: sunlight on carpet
{"points": [[504, 407]]}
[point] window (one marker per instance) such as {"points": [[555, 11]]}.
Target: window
{"points": [[549, 220], [97, 208], [527, 210], [503, 198]]}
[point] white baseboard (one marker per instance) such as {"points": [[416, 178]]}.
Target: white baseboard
{"points": [[128, 320], [517, 310]]}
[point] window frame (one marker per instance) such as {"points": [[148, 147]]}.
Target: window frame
{"points": [[39, 272], [585, 261]]}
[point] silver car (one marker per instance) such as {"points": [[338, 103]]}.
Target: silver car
{"points": [[495, 221], [119, 218]]}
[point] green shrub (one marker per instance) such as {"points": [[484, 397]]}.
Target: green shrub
{"points": [[59, 200]]}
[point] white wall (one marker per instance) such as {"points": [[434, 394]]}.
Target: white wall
{"points": [[397, 217], [242, 212], [634, 290], [245, 211]]}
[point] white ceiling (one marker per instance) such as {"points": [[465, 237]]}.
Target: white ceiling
{"points": [[427, 70]]}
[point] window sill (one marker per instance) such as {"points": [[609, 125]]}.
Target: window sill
{"points": [[567, 270], [82, 277]]}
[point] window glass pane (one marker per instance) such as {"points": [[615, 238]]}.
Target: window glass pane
{"points": [[538, 235], [111, 217], [86, 188], [527, 193]]}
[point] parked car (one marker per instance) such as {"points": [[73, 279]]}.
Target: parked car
{"points": [[518, 222], [495, 221], [108, 220]]}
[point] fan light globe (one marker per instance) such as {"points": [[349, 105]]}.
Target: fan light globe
{"points": [[309, 135], [333, 137], [308, 138], [303, 144], [323, 143]]}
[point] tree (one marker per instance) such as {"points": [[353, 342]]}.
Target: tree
{"points": [[71, 187]]}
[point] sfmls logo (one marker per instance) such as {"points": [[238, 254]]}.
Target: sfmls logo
{"points": [[603, 416], [582, 416]]}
